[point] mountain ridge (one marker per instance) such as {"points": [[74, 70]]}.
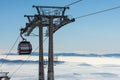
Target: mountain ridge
{"points": [[74, 54]]}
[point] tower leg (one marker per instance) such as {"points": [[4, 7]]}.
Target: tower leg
{"points": [[41, 60], [50, 55]]}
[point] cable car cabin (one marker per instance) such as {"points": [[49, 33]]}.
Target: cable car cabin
{"points": [[24, 47]]}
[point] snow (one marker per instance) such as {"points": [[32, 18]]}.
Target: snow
{"points": [[73, 68]]}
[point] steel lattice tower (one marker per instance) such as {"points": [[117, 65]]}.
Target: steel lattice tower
{"points": [[53, 18]]}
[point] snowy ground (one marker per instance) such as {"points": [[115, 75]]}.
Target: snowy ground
{"points": [[74, 68]]}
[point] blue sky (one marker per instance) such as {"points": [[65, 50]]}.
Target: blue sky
{"points": [[98, 33]]}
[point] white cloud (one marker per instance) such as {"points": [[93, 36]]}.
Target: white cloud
{"points": [[2, 51], [88, 51]]}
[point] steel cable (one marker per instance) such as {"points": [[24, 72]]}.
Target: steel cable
{"points": [[3, 61], [105, 10]]}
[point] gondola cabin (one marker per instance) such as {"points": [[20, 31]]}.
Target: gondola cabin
{"points": [[24, 47]]}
